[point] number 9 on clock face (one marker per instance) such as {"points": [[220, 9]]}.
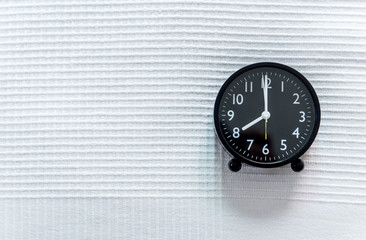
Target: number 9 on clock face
{"points": [[266, 115]]}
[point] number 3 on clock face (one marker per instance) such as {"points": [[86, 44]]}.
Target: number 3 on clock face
{"points": [[266, 115]]}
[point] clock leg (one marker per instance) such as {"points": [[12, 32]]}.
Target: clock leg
{"points": [[297, 165], [234, 165]]}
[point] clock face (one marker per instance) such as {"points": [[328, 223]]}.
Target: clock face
{"points": [[267, 114]]}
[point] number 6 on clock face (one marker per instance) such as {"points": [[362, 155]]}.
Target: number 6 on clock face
{"points": [[266, 115]]}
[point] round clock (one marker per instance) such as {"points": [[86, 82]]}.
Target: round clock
{"points": [[266, 115]]}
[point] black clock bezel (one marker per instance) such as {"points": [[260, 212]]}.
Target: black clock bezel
{"points": [[243, 159]]}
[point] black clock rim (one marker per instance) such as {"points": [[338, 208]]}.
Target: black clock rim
{"points": [[243, 159]]}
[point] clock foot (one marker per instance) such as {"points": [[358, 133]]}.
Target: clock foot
{"points": [[234, 165], [297, 165]]}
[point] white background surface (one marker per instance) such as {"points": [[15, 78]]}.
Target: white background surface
{"points": [[107, 130]]}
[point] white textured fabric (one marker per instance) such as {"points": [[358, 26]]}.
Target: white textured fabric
{"points": [[107, 128]]}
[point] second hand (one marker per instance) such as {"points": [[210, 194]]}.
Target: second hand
{"points": [[265, 130]]}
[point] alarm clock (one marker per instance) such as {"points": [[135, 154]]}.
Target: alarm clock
{"points": [[266, 115]]}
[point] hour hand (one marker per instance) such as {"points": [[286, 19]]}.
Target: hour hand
{"points": [[252, 123]]}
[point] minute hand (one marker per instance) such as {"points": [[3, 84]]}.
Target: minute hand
{"points": [[265, 93], [252, 123]]}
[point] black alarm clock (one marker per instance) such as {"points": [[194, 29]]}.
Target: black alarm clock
{"points": [[266, 115]]}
